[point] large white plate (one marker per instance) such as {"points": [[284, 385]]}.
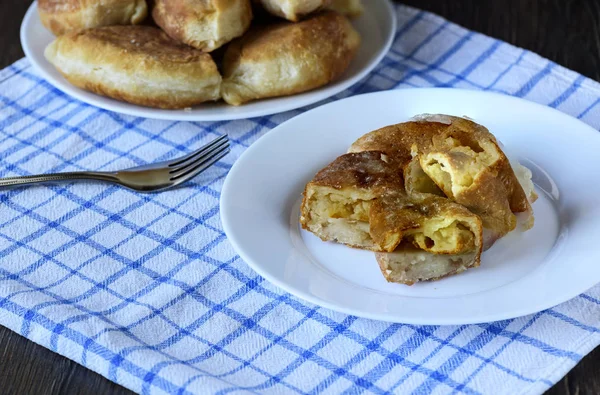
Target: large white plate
{"points": [[522, 274], [377, 26]]}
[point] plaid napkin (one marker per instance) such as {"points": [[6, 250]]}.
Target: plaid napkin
{"points": [[147, 291]]}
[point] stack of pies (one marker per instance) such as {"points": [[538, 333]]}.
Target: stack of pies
{"points": [[174, 61]]}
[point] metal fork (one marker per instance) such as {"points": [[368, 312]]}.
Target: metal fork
{"points": [[148, 178]]}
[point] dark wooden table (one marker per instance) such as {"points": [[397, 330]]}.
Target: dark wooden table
{"points": [[565, 31]]}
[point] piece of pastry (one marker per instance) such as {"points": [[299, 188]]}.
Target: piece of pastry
{"points": [[350, 8], [337, 201], [288, 58], [430, 223], [409, 265], [63, 16], [464, 160], [416, 182], [203, 24], [292, 10], [359, 200], [137, 64]]}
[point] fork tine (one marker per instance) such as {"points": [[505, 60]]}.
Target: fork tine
{"points": [[205, 154], [197, 163], [193, 172], [200, 151]]}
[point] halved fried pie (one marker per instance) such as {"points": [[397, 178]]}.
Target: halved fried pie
{"points": [[359, 200], [337, 202]]}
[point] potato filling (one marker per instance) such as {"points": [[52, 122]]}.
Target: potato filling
{"points": [[341, 207], [459, 165], [344, 216], [341, 216], [443, 236]]}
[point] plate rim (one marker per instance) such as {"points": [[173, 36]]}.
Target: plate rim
{"points": [[176, 115], [392, 318]]}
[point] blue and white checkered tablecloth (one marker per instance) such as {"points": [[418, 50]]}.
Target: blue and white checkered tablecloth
{"points": [[146, 290]]}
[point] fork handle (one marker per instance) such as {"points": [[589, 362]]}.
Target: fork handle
{"points": [[53, 177]]}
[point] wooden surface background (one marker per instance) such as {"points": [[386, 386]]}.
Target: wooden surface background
{"points": [[565, 31]]}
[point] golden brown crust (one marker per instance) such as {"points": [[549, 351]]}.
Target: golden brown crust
{"points": [[399, 138], [63, 16], [288, 58], [144, 41], [367, 170], [204, 24], [137, 64], [390, 216]]}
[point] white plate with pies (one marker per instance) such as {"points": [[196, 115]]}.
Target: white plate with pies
{"points": [[377, 26], [523, 273]]}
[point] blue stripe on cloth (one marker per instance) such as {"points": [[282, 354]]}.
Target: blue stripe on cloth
{"points": [[491, 335], [525, 89], [146, 290], [568, 93], [455, 361], [79, 338], [589, 298], [589, 108], [442, 58], [89, 313], [10, 72], [464, 74], [508, 69]]}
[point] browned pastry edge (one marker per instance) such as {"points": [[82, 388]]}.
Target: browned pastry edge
{"points": [[288, 58], [205, 25], [63, 16], [381, 256], [126, 54]]}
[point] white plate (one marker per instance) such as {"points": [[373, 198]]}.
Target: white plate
{"points": [[377, 27], [522, 274]]}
